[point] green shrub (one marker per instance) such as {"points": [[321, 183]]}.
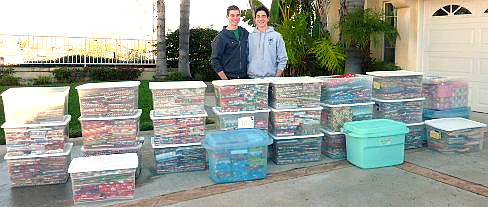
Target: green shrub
{"points": [[42, 80], [9, 80], [6, 70], [118, 73], [175, 76], [381, 66], [69, 74]]}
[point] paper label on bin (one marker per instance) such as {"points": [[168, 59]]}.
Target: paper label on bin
{"points": [[385, 141], [38, 134], [376, 85], [234, 152], [245, 122], [434, 134]]}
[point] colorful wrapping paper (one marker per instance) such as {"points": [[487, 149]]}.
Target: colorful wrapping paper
{"points": [[241, 95], [460, 140], [445, 93], [408, 111], [416, 136], [294, 95], [334, 116], [110, 150], [395, 85], [179, 101], [178, 129], [346, 89], [243, 119], [32, 170], [173, 159], [295, 122], [334, 145], [296, 150], [110, 101]]}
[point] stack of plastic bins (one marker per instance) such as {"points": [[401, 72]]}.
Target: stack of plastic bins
{"points": [[241, 95], [334, 145], [39, 169], [416, 136], [445, 98], [346, 89], [455, 135], [334, 116], [375, 143], [237, 155], [103, 178], [295, 119], [179, 126], [242, 119]]}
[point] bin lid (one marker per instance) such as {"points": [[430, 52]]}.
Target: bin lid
{"points": [[176, 85], [65, 122], [154, 117], [137, 114], [236, 139], [374, 128], [394, 73], [104, 162], [66, 152], [239, 82], [289, 80], [153, 144], [453, 124], [120, 84], [217, 111]]}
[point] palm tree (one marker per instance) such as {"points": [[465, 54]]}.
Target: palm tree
{"points": [[353, 60], [184, 43], [161, 66]]}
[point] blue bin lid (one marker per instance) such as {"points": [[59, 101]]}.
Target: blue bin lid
{"points": [[236, 139], [374, 128]]}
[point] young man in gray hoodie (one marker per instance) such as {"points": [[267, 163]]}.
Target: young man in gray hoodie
{"points": [[267, 52]]}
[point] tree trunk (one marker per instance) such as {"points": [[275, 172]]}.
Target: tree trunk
{"points": [[184, 43], [323, 8], [161, 66]]}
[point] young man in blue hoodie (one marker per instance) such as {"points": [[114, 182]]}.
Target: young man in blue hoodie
{"points": [[230, 48], [267, 52]]}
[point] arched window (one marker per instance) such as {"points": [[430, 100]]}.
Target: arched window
{"points": [[450, 10]]}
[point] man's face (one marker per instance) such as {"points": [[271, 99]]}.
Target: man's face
{"points": [[234, 17], [261, 19]]}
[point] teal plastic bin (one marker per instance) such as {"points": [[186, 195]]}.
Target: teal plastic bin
{"points": [[375, 143]]}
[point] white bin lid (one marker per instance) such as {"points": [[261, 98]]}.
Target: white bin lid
{"points": [[398, 100], [343, 105], [137, 114], [288, 80], [29, 91], [299, 109], [121, 84], [453, 124], [332, 133], [154, 117], [173, 145], [217, 111], [104, 162], [295, 137], [176, 85], [394, 73], [415, 124], [239, 82], [66, 120], [66, 151]]}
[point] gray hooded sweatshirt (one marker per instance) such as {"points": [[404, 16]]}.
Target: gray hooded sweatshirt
{"points": [[267, 53]]}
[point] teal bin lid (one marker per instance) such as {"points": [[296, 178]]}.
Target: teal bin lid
{"points": [[236, 139], [374, 128]]}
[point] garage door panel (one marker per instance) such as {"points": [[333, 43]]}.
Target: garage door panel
{"points": [[484, 36], [484, 67], [451, 64], [481, 104], [449, 36]]}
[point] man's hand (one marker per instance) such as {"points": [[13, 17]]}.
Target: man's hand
{"points": [[222, 75]]}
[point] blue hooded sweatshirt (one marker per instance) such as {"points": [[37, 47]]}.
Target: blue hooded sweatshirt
{"points": [[267, 53]]}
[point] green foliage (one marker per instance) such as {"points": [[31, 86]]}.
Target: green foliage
{"points": [[9, 80], [175, 76], [330, 56], [6, 70], [42, 80], [69, 74], [247, 15], [118, 73], [381, 65]]}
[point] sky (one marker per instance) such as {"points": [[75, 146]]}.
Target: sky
{"points": [[133, 19]]}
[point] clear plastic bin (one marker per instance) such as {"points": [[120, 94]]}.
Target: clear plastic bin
{"points": [[110, 150], [295, 122], [395, 85], [446, 103], [296, 149], [182, 129], [375, 143], [237, 155], [32, 139], [442, 87], [33, 105], [243, 119], [43, 169], [463, 112], [113, 132], [241, 94], [346, 89], [179, 158], [416, 136], [103, 178], [455, 135], [178, 97], [334, 116], [294, 92], [408, 111], [108, 99], [334, 145]]}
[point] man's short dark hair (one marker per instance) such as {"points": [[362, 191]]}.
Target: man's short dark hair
{"points": [[262, 9], [232, 7]]}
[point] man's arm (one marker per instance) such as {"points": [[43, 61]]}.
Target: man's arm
{"points": [[222, 75], [216, 58], [281, 56]]}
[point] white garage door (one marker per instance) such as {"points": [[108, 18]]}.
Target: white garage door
{"points": [[455, 44]]}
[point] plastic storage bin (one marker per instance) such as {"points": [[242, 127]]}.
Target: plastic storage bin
{"points": [[416, 136], [178, 129], [243, 119], [108, 99], [394, 85], [31, 139], [334, 145], [113, 132], [455, 135], [375, 143], [444, 93], [178, 97], [241, 94], [33, 105], [237, 155], [110, 150], [296, 149], [346, 89], [408, 111], [295, 122], [463, 112], [334, 116], [179, 158], [103, 178], [294, 92], [43, 169]]}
